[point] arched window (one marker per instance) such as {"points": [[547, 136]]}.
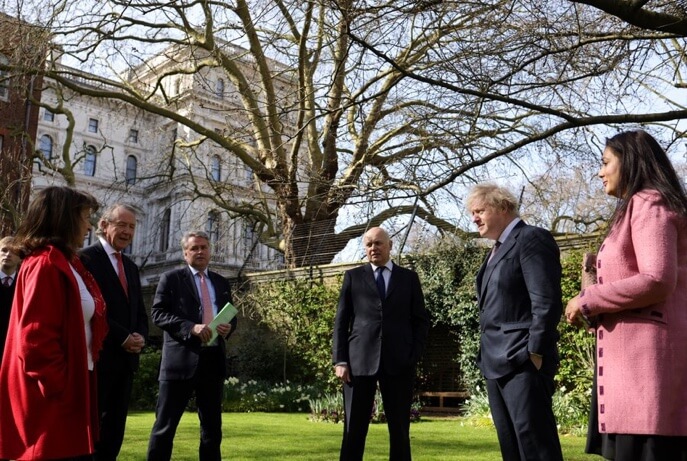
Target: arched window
{"points": [[215, 168], [45, 146], [131, 166], [219, 88], [89, 161], [165, 226], [212, 228], [4, 80]]}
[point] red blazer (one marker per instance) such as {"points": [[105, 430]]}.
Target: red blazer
{"points": [[45, 410]]}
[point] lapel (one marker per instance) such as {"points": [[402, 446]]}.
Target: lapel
{"points": [[109, 269], [393, 279], [370, 277], [188, 280], [488, 267]]}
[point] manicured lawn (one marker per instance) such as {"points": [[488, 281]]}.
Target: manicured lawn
{"points": [[292, 437]]}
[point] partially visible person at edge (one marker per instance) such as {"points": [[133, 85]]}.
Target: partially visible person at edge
{"points": [[9, 263], [380, 332], [48, 403], [120, 283], [638, 308], [519, 298], [186, 301]]}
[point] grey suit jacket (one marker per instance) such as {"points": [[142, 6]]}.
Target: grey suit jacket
{"points": [[176, 309], [369, 331], [519, 296]]}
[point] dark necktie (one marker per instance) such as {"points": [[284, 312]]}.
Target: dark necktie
{"points": [[7, 281], [497, 244], [381, 286]]}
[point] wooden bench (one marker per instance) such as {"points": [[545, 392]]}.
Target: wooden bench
{"points": [[457, 395]]}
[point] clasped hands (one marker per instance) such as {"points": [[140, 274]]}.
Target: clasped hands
{"points": [[573, 313], [134, 343]]}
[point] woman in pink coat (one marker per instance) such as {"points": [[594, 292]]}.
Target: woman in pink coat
{"points": [[48, 406], [639, 307]]}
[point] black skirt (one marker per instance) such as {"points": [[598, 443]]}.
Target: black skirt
{"points": [[631, 447]]}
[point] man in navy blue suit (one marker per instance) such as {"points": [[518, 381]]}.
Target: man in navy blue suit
{"points": [[120, 283], [186, 300], [519, 297], [380, 332]]}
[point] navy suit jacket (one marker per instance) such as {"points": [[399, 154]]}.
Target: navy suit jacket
{"points": [[369, 331], [125, 315], [519, 296], [176, 310]]}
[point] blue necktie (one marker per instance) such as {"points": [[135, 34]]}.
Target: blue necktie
{"points": [[381, 286]]}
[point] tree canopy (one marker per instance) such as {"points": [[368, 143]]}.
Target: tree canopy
{"points": [[381, 108]]}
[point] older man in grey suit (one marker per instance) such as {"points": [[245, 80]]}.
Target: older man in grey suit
{"points": [[519, 296]]}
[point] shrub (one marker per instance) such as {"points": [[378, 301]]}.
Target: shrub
{"points": [[263, 396], [330, 408], [145, 386]]}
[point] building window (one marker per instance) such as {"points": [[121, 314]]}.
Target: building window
{"points": [[248, 239], [212, 228], [45, 146], [215, 168], [48, 116], [89, 161], [133, 136], [131, 166], [219, 88], [92, 125], [88, 239], [4, 80], [165, 226]]}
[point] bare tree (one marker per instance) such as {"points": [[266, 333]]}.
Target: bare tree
{"points": [[385, 107], [668, 16]]}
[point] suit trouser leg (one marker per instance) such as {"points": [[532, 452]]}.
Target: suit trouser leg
{"points": [[171, 403], [397, 395], [114, 394], [209, 394], [521, 408], [359, 397]]}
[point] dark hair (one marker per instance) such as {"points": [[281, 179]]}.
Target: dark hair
{"points": [[54, 217], [645, 165]]}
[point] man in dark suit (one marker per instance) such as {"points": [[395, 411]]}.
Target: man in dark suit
{"points": [[120, 283], [186, 300], [9, 263], [519, 296], [380, 331]]}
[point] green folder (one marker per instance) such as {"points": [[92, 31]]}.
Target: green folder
{"points": [[227, 313]]}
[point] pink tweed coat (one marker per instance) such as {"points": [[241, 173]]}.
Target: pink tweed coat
{"points": [[641, 303]]}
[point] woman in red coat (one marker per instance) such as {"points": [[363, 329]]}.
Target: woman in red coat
{"points": [[48, 405]]}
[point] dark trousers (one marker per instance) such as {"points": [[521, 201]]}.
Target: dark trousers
{"points": [[173, 397], [521, 406], [114, 394], [397, 397]]}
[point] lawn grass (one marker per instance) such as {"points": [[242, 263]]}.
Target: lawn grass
{"points": [[293, 437]]}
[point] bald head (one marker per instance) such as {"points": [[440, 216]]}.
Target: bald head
{"points": [[377, 246]]}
